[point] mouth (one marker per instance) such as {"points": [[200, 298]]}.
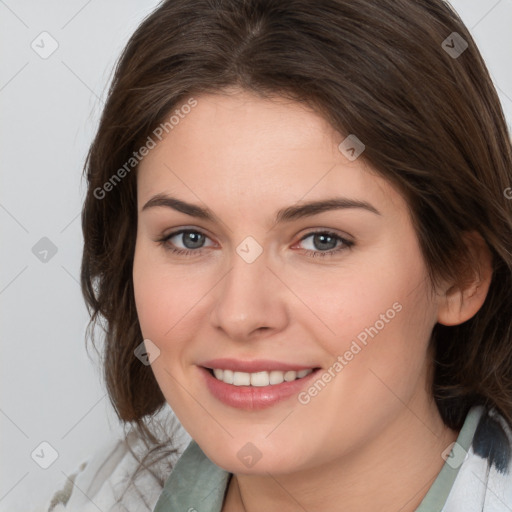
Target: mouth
{"points": [[255, 390]]}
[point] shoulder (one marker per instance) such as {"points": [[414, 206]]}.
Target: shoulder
{"points": [[124, 473], [493, 441], [484, 481]]}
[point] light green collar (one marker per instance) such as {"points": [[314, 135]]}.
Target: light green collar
{"points": [[195, 484], [437, 495]]}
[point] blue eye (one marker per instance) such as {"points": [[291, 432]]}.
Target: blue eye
{"points": [[194, 240], [322, 238]]}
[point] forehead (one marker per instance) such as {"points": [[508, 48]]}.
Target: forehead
{"points": [[247, 149], [238, 123]]}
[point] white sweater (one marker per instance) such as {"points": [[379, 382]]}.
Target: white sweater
{"points": [[102, 482]]}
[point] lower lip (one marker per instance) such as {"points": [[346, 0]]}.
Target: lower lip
{"points": [[254, 397]]}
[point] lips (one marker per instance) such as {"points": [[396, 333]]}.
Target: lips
{"points": [[245, 395]]}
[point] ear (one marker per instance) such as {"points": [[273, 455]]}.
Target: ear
{"points": [[456, 305]]}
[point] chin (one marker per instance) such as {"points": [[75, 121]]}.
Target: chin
{"points": [[251, 460]]}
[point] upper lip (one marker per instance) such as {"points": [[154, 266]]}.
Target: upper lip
{"points": [[256, 365]]}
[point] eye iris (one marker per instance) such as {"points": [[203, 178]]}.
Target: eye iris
{"points": [[198, 239], [324, 238]]}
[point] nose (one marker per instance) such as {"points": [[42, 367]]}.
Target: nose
{"points": [[250, 300]]}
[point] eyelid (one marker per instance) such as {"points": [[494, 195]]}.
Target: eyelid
{"points": [[180, 231], [335, 232]]}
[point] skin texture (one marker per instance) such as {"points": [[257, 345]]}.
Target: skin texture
{"points": [[373, 436]]}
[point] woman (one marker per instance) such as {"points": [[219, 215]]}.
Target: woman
{"points": [[298, 234]]}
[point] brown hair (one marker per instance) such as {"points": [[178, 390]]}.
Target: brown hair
{"points": [[431, 122]]}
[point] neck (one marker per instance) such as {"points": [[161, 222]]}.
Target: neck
{"points": [[392, 472]]}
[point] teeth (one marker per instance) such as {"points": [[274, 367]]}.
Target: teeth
{"points": [[258, 379], [276, 377], [241, 379]]}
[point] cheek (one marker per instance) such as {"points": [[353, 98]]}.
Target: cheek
{"points": [[379, 356], [165, 295], [389, 334], [166, 303], [380, 318], [383, 295]]}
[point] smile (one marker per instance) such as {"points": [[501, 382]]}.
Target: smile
{"points": [[258, 379], [254, 385]]}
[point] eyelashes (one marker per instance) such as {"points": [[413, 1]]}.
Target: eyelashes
{"points": [[324, 236]]}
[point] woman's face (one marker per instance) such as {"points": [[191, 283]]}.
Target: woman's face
{"points": [[268, 285]]}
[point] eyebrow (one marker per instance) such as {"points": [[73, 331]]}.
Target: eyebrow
{"points": [[287, 214]]}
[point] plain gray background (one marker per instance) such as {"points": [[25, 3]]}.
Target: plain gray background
{"points": [[50, 389]]}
